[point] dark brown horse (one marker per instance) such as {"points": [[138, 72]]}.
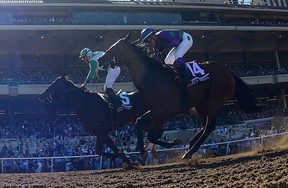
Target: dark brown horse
{"points": [[93, 110], [95, 113], [167, 97]]}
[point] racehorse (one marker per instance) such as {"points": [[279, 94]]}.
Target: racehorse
{"points": [[211, 86], [95, 113]]}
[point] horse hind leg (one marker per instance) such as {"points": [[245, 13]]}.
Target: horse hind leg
{"points": [[202, 136], [154, 137], [141, 123], [155, 129], [105, 139], [220, 91], [207, 112]]}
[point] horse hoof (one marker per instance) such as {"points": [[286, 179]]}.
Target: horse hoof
{"points": [[154, 154], [186, 156], [82, 141], [144, 156], [131, 165], [177, 141]]}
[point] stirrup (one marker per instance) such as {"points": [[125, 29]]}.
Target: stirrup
{"points": [[111, 105], [177, 78], [118, 108]]}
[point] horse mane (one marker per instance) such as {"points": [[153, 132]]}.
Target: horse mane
{"points": [[86, 91], [145, 52]]}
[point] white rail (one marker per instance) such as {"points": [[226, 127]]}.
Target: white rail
{"points": [[252, 142]]}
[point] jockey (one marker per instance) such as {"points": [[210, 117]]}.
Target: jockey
{"points": [[179, 42], [112, 68]]}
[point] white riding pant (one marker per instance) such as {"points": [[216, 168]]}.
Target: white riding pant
{"points": [[112, 75], [180, 50]]}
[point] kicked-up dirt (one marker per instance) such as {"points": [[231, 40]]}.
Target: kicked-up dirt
{"points": [[267, 169]]}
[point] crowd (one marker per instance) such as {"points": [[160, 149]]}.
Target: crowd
{"points": [[77, 76], [65, 136], [236, 21], [257, 70], [57, 136], [47, 76], [119, 18]]}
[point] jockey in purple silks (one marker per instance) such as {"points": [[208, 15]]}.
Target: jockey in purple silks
{"points": [[113, 71], [179, 42]]}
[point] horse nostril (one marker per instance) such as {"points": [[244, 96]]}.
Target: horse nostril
{"points": [[40, 98]]}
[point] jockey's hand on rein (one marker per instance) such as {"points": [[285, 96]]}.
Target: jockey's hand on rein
{"points": [[105, 66], [83, 86]]}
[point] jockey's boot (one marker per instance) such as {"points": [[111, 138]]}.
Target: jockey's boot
{"points": [[182, 70], [112, 98]]}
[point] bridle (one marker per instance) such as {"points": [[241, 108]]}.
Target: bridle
{"points": [[129, 57], [147, 77], [55, 94]]}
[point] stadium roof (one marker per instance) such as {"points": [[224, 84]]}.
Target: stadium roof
{"points": [[71, 41], [66, 38]]}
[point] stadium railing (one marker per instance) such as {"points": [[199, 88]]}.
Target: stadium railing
{"points": [[76, 163]]}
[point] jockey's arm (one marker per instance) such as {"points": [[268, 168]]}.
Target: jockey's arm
{"points": [[96, 72], [157, 54], [168, 41], [104, 67], [91, 74]]}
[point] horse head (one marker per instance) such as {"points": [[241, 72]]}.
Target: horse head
{"points": [[56, 89], [135, 56], [119, 51]]}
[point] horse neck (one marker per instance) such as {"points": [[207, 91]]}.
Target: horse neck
{"points": [[140, 104], [81, 100], [139, 68]]}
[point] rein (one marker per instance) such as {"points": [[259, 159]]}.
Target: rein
{"points": [[67, 91], [135, 56], [144, 81]]}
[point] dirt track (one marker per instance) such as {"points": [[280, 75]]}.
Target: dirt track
{"points": [[260, 169]]}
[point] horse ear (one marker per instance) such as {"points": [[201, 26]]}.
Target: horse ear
{"points": [[64, 76], [128, 36]]}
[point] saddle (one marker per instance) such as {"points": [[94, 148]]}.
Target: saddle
{"points": [[195, 72], [123, 102]]}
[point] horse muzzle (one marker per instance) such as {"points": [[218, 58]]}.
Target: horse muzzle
{"points": [[46, 99]]}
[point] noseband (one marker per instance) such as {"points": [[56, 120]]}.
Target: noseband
{"points": [[55, 94], [148, 76], [126, 46]]}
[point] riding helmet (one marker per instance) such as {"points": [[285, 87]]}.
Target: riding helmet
{"points": [[146, 33], [85, 52]]}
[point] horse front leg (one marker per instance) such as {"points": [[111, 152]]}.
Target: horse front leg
{"points": [[196, 137], [140, 139], [104, 138], [142, 123], [155, 135]]}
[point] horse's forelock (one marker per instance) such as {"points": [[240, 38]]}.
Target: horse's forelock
{"points": [[67, 81], [143, 49], [139, 49]]}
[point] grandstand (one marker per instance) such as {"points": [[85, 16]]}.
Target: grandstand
{"points": [[40, 40]]}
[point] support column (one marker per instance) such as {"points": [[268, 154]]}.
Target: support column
{"points": [[206, 56], [277, 59], [66, 69], [284, 98], [244, 56]]}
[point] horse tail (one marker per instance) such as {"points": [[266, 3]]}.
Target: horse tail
{"points": [[244, 95]]}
